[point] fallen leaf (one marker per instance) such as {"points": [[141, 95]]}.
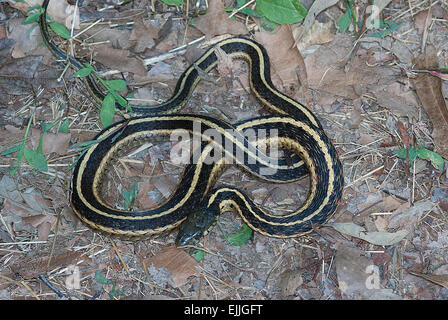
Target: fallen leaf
{"points": [[290, 280], [441, 280], [216, 22], [178, 262], [429, 92], [310, 23], [20, 206], [144, 35], [43, 223], [119, 59], [358, 277], [33, 267], [144, 200], [52, 142], [379, 238], [406, 218], [283, 65], [420, 20], [59, 10]]}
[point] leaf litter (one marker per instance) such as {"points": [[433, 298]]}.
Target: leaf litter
{"points": [[388, 239]]}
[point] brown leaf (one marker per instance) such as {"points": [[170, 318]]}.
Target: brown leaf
{"points": [[429, 92], [144, 35], [181, 264], [33, 267], [52, 142], [290, 280], [420, 20], [309, 23], [216, 22], [43, 223], [118, 59], [143, 199], [441, 280], [284, 57]]}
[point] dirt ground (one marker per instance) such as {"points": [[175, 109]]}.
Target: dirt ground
{"points": [[381, 100]]}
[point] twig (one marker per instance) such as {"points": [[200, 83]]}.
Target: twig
{"points": [[53, 288]]}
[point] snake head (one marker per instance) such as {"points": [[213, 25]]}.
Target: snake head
{"points": [[197, 224]]}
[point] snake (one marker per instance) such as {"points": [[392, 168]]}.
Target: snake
{"points": [[194, 206]]}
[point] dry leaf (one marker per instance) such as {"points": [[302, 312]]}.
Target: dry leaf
{"points": [[180, 263], [52, 142], [290, 280], [143, 34], [284, 57], [33, 267], [429, 92], [379, 238], [314, 30], [216, 22], [356, 276], [143, 199], [407, 217], [59, 10], [441, 280], [420, 20], [118, 59]]}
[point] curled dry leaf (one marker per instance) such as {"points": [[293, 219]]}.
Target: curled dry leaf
{"points": [[441, 280], [144, 35], [284, 57], [379, 238], [216, 22], [181, 264], [311, 23], [429, 92], [118, 59]]}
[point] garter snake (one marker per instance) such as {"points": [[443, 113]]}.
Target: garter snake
{"points": [[296, 127]]}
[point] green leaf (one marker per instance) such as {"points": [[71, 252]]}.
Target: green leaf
{"points": [[100, 278], [436, 159], [34, 17], [117, 85], [267, 24], [84, 72], [247, 11], [63, 128], [241, 236], [37, 6], [401, 153], [282, 11], [12, 149], [60, 30], [122, 101], [84, 145], [412, 154], [129, 197], [107, 110], [198, 255], [388, 27], [345, 21], [173, 2], [36, 159]]}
